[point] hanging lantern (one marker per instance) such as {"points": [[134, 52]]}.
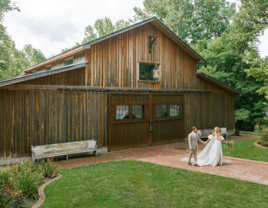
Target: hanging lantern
{"points": [[156, 73]]}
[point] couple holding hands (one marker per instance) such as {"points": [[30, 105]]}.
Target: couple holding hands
{"points": [[211, 154]]}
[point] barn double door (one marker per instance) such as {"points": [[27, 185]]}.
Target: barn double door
{"points": [[137, 120]]}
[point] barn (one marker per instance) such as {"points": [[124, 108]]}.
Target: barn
{"points": [[134, 87]]}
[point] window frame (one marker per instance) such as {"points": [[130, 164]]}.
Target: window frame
{"points": [[49, 66], [130, 120], [148, 63], [68, 59], [168, 110]]}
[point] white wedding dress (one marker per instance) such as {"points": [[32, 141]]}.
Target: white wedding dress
{"points": [[211, 154]]}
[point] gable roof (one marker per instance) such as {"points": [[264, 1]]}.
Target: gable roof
{"points": [[43, 74], [217, 82], [158, 24]]}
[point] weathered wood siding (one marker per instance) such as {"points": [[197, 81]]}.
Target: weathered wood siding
{"points": [[48, 117], [71, 78], [115, 62], [206, 111]]}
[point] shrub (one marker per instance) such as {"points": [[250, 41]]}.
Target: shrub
{"points": [[4, 200], [263, 140], [24, 180], [5, 177], [48, 169]]}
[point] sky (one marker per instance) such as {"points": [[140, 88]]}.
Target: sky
{"points": [[51, 25]]}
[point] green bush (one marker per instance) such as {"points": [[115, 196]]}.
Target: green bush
{"points": [[5, 201], [48, 169], [24, 180], [5, 177], [263, 140]]}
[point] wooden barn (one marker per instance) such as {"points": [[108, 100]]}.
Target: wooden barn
{"points": [[134, 87]]}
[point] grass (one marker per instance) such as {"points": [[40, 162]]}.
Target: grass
{"points": [[250, 132], [138, 184], [247, 150]]}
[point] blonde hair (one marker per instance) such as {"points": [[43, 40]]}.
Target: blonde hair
{"points": [[217, 128]]}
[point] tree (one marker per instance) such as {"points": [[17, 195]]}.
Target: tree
{"points": [[191, 20], [226, 64], [103, 27], [248, 24], [13, 61]]}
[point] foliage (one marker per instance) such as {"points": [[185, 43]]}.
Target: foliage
{"points": [[225, 64], [100, 28], [249, 23], [48, 169], [5, 177], [23, 179], [140, 184], [191, 20], [4, 200], [247, 150], [263, 140], [13, 61]]}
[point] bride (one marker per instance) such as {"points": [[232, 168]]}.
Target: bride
{"points": [[212, 152]]}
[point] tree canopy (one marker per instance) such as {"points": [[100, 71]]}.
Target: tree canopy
{"points": [[191, 20], [12, 60]]}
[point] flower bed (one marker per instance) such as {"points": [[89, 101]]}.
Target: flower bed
{"points": [[19, 183]]}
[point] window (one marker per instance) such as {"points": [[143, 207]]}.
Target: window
{"points": [[146, 72], [122, 112], [69, 62], [48, 67], [161, 111], [174, 110], [137, 111]]}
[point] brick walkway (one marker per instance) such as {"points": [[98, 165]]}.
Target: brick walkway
{"points": [[170, 155]]}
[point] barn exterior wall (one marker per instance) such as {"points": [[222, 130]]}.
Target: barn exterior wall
{"points": [[38, 117], [48, 117]]}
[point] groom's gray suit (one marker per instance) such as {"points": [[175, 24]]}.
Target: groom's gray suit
{"points": [[192, 139]]}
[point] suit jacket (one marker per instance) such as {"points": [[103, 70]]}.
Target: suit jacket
{"points": [[193, 140]]}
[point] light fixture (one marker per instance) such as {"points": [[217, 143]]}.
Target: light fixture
{"points": [[156, 72]]}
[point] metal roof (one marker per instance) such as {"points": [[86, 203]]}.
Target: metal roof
{"points": [[43, 74]]}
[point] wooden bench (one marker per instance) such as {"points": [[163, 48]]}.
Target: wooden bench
{"points": [[63, 149], [206, 132]]}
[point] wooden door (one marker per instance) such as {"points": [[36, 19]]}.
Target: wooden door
{"points": [[128, 121], [137, 120], [167, 119]]}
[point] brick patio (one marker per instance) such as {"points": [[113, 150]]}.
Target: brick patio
{"points": [[170, 155]]}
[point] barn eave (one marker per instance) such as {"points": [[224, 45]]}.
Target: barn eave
{"points": [[217, 82], [43, 74]]}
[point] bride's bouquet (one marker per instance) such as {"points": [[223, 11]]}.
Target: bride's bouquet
{"points": [[230, 144]]}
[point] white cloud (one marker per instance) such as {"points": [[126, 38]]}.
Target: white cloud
{"points": [[52, 25]]}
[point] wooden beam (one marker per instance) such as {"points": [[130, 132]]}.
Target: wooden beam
{"points": [[63, 87]]}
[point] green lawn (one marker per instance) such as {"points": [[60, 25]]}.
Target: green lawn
{"points": [[247, 150], [249, 132], [140, 185]]}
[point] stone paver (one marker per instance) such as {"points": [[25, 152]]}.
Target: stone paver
{"points": [[170, 155]]}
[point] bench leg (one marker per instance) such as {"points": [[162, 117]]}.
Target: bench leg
{"points": [[33, 159], [95, 153], [66, 157]]}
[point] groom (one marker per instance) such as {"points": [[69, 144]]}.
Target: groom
{"points": [[193, 146]]}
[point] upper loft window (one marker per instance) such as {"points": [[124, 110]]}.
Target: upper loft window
{"points": [[49, 67], [149, 72], [69, 61], [146, 72]]}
